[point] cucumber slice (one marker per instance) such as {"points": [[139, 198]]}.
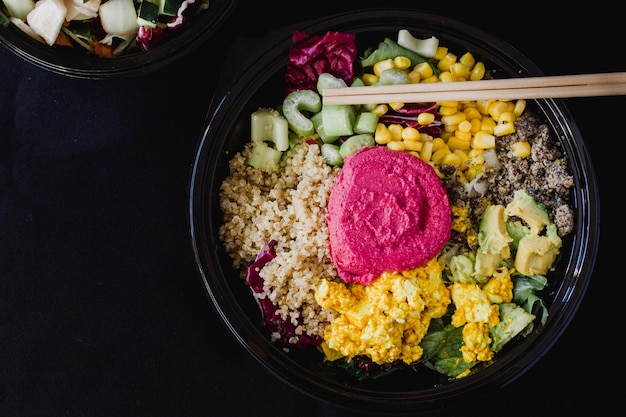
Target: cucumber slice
{"points": [[269, 125], [170, 7], [264, 157], [318, 124], [326, 80], [393, 76], [338, 119], [293, 106], [366, 122], [424, 47], [332, 155], [356, 142], [148, 13]]}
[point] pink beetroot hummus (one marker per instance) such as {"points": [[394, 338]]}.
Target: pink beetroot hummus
{"points": [[388, 211]]}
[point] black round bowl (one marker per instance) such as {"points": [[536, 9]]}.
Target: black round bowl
{"points": [[76, 63], [227, 129]]}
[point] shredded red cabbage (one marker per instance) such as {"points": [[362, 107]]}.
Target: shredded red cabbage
{"points": [[407, 116], [310, 56], [266, 254], [273, 321]]}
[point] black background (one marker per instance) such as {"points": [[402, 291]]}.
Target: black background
{"points": [[102, 312]]}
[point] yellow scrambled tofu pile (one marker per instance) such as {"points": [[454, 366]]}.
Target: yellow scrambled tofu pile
{"points": [[387, 319], [477, 309]]}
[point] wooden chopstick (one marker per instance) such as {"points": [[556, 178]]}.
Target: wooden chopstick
{"points": [[559, 86]]}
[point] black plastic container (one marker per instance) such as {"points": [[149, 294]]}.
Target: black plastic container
{"points": [[77, 63], [227, 130]]}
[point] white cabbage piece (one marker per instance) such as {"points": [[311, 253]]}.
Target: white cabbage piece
{"points": [[47, 18], [119, 17], [19, 8]]}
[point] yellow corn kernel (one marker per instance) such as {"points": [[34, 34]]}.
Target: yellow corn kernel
{"points": [[507, 117], [467, 136], [483, 106], [447, 77], [380, 66], [467, 59], [483, 140], [410, 133], [450, 128], [439, 154], [382, 136], [472, 113], [496, 109], [448, 110], [460, 70], [476, 155], [456, 143], [441, 52], [477, 72], [446, 62], [510, 106], [465, 125], [414, 77], [476, 125], [424, 70], [432, 79], [402, 62], [427, 151], [473, 171], [369, 79], [396, 145], [447, 135], [451, 159], [521, 149], [425, 118], [413, 145], [502, 129], [380, 110], [425, 137], [453, 119], [454, 104], [438, 143], [487, 124], [395, 130], [462, 155], [396, 106], [520, 106], [466, 104]]}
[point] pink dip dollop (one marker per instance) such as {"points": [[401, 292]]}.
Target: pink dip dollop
{"points": [[388, 211]]}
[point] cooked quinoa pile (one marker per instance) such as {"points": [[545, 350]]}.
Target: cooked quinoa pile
{"points": [[288, 206]]}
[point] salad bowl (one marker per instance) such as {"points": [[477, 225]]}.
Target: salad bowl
{"points": [[199, 25], [245, 88]]}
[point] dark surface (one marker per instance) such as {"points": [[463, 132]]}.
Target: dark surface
{"points": [[102, 312]]}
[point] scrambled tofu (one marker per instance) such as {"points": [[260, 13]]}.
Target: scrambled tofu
{"points": [[477, 309], [387, 319], [462, 223]]}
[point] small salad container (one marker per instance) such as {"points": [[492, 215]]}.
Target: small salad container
{"points": [[152, 36], [227, 130]]}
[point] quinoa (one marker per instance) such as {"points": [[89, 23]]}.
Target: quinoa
{"points": [[288, 206]]}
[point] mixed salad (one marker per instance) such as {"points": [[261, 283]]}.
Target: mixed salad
{"points": [[505, 179], [105, 28]]}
